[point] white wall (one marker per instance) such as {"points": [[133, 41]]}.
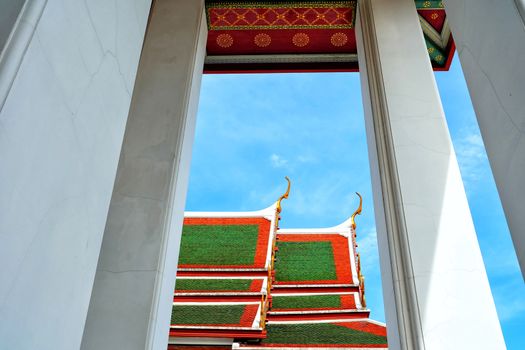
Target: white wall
{"points": [[436, 290], [61, 130], [130, 306], [490, 38]]}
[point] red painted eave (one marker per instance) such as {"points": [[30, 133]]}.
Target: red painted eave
{"points": [[211, 333]]}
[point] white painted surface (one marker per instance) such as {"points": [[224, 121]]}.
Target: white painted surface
{"points": [[8, 15], [490, 39], [17, 43], [130, 306], [61, 130], [436, 290]]}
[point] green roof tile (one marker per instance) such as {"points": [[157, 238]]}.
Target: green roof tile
{"points": [[222, 285], [306, 302], [206, 314], [305, 261], [217, 245], [318, 333]]}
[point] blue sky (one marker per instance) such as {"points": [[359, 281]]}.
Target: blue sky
{"points": [[252, 130]]}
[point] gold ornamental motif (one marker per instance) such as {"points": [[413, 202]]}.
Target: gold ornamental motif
{"points": [[434, 16], [237, 15], [262, 40], [224, 40], [357, 212], [339, 39], [284, 196], [300, 39]]}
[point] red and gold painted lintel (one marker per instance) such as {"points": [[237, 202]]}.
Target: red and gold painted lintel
{"points": [[280, 15]]}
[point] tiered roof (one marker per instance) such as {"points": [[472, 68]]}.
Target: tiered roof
{"points": [[222, 283], [245, 283]]}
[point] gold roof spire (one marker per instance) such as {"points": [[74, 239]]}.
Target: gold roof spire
{"points": [[284, 196], [357, 212]]}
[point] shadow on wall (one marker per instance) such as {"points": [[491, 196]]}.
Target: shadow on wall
{"points": [[520, 4]]}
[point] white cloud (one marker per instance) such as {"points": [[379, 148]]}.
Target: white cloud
{"points": [[278, 161], [471, 156]]}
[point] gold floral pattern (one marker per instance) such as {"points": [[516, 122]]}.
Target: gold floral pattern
{"points": [[224, 40], [262, 40], [339, 39], [300, 39]]}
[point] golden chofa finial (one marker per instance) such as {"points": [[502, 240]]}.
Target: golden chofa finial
{"points": [[357, 212], [284, 196]]}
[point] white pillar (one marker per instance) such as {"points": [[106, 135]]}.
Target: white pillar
{"points": [[65, 77], [490, 39], [436, 291], [132, 296]]}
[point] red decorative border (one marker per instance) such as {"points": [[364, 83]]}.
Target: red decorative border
{"points": [[256, 285], [341, 256], [244, 42], [436, 18], [367, 327], [261, 250]]}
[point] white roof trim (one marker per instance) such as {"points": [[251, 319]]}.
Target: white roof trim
{"points": [[317, 312], [257, 320], [277, 295], [237, 346], [267, 213], [200, 303], [343, 228], [214, 327], [221, 277], [330, 321], [220, 294], [282, 285], [227, 269]]}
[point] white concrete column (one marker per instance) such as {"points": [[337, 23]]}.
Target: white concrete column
{"points": [[132, 296], [436, 291], [490, 39], [65, 79]]}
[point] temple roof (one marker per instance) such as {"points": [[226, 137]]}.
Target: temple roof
{"points": [[244, 280], [273, 36]]}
